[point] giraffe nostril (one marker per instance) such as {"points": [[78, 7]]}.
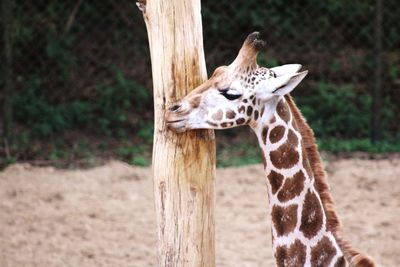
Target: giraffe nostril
{"points": [[174, 107]]}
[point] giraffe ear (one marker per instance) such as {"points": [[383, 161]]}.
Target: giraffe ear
{"points": [[283, 85], [286, 69]]}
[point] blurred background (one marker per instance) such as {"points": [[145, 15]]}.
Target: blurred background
{"points": [[76, 75], [76, 92]]}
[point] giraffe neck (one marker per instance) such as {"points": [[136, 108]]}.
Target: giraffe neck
{"points": [[300, 234]]}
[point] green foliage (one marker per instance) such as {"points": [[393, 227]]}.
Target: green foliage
{"points": [[238, 155], [313, 20], [263, 60], [136, 155], [114, 101], [44, 119], [140, 161], [394, 71], [107, 113], [338, 111], [365, 145], [4, 162], [84, 73], [146, 131], [246, 153]]}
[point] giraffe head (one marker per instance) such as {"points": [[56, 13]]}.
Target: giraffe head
{"points": [[235, 95]]}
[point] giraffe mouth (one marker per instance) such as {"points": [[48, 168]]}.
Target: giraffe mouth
{"points": [[175, 121], [178, 126]]}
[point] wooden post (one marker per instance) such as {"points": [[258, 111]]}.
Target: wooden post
{"points": [[183, 164], [6, 72], [376, 131]]}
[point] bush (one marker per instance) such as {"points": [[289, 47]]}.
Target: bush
{"points": [[107, 112], [338, 111]]}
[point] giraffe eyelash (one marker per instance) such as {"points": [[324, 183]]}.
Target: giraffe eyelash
{"points": [[224, 92]]}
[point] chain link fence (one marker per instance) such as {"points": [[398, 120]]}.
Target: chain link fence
{"points": [[343, 44], [73, 46], [76, 51]]}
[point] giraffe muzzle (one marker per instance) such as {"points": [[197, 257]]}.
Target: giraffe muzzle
{"points": [[176, 117], [176, 125]]}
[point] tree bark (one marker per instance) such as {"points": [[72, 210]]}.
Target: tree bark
{"points": [[376, 132], [183, 164], [6, 71]]}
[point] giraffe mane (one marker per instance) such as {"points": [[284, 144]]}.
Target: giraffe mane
{"points": [[354, 257]]}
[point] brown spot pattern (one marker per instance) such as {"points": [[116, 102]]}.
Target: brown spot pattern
{"points": [[264, 159], [293, 256], [341, 262], [255, 115], [322, 253], [212, 124], [275, 179], [195, 101], [217, 116], [264, 134], [292, 138], [272, 120], [311, 216], [276, 133], [230, 114], [242, 109], [249, 110], [240, 121], [292, 187], [284, 157], [283, 111], [284, 219], [226, 124]]}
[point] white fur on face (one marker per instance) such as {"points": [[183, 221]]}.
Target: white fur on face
{"points": [[238, 97]]}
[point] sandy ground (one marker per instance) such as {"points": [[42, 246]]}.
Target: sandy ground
{"points": [[104, 216]]}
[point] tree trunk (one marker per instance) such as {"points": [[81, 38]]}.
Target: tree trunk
{"points": [[183, 164], [376, 132], [6, 71]]}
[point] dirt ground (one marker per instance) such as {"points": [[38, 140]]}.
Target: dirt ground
{"points": [[104, 216]]}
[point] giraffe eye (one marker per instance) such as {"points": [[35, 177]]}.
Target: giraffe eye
{"points": [[230, 94]]}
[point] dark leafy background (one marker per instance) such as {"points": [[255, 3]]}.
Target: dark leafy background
{"points": [[82, 74]]}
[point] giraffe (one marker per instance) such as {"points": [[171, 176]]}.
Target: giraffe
{"points": [[305, 227]]}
